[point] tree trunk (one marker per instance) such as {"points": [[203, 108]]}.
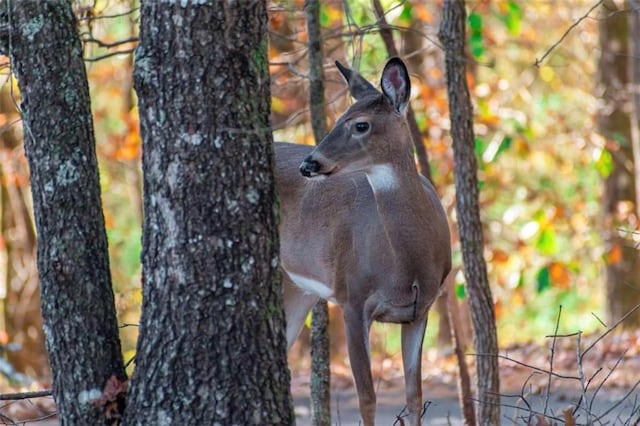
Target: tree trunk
{"points": [[452, 36], [212, 346], [77, 300], [622, 266], [320, 354]]}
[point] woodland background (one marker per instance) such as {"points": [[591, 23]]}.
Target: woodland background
{"points": [[556, 161]]}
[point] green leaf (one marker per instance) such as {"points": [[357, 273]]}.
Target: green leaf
{"points": [[407, 13], [504, 146], [543, 280], [324, 17], [547, 242], [513, 18], [604, 163], [475, 22], [479, 147], [476, 45], [461, 292], [476, 38]]}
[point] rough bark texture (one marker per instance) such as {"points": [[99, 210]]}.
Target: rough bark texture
{"points": [[77, 300], [452, 36], [320, 354], [623, 264], [212, 347]]}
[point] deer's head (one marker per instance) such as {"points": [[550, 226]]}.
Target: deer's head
{"points": [[372, 131]]}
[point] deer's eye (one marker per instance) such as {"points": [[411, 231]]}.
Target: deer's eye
{"points": [[362, 127]]}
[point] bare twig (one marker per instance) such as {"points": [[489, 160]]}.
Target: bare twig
{"points": [[106, 45], [25, 395], [108, 55], [599, 320], [566, 33], [617, 404], [595, 393], [116, 15], [609, 330], [583, 384], [553, 351], [541, 370]]}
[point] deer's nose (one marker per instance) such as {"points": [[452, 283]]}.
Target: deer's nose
{"points": [[309, 167]]}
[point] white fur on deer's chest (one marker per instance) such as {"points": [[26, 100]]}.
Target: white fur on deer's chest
{"points": [[310, 285]]}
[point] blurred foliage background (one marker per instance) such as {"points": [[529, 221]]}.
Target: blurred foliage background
{"points": [[542, 160]]}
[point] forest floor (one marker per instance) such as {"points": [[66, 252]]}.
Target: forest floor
{"points": [[610, 367], [611, 372]]}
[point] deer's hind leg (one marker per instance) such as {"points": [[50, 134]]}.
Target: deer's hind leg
{"points": [[412, 337]]}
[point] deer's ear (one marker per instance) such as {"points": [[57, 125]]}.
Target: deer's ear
{"points": [[396, 84], [359, 87]]}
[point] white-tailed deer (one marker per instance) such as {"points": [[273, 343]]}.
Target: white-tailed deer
{"points": [[361, 227]]}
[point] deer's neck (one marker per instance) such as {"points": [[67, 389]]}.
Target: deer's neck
{"points": [[399, 198], [395, 182]]}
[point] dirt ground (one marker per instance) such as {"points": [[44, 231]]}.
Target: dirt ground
{"points": [[610, 371]]}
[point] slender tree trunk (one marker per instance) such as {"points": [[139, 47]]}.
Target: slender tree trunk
{"points": [[77, 300], [452, 36], [614, 123], [212, 347], [320, 354]]}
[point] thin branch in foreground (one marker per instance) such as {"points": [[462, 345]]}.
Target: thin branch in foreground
{"points": [[609, 330], [25, 395], [538, 369], [532, 412], [617, 404], [108, 55], [106, 45], [566, 33], [553, 351]]}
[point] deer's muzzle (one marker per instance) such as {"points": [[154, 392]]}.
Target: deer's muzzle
{"points": [[309, 167]]}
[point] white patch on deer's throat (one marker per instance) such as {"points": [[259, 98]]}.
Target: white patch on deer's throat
{"points": [[382, 178], [312, 286]]}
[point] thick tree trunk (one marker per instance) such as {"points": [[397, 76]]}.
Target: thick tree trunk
{"points": [[452, 35], [77, 300], [622, 266], [212, 347], [320, 354]]}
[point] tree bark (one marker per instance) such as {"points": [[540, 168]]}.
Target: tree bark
{"points": [[452, 35], [212, 346], [320, 354], [614, 123], [77, 299]]}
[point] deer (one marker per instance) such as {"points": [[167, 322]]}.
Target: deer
{"points": [[360, 227]]}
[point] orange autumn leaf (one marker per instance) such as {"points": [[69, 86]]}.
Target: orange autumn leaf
{"points": [[560, 275], [614, 255], [276, 20], [423, 13]]}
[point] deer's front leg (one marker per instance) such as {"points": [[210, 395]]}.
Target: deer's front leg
{"points": [[412, 337], [357, 330]]}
